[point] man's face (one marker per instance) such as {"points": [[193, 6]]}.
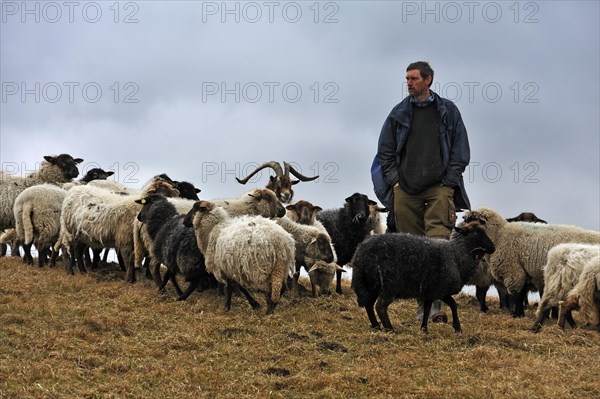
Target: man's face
{"points": [[417, 86]]}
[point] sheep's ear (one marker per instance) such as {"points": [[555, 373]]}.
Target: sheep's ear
{"points": [[317, 209], [371, 202], [50, 159], [339, 268], [461, 230], [295, 182], [78, 160], [290, 207], [110, 173], [142, 201], [382, 210], [197, 190]]}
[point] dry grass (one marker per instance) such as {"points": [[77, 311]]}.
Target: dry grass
{"points": [[95, 336]]}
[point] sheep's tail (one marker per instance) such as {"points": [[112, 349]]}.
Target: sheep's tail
{"points": [[586, 289], [360, 284], [27, 224]]}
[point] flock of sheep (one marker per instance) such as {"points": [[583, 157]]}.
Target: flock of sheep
{"points": [[260, 241]]}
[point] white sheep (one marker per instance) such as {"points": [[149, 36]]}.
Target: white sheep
{"points": [[561, 273], [37, 219], [252, 251], [96, 218], [585, 296], [522, 250]]}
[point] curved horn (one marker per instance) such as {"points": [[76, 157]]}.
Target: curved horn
{"points": [[272, 164], [297, 174]]}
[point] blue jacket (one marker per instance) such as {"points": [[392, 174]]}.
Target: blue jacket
{"points": [[454, 144]]}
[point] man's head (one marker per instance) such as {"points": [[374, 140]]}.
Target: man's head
{"points": [[419, 77]]}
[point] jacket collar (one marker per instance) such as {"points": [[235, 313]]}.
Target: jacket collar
{"points": [[402, 113]]}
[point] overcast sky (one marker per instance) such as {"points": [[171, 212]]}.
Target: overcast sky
{"points": [[204, 91]]}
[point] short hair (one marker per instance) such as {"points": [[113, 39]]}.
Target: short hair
{"points": [[424, 69]]}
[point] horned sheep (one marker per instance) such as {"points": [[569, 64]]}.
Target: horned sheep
{"points": [[397, 265], [252, 251], [561, 273], [522, 250]]}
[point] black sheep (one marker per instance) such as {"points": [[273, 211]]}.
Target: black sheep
{"points": [[174, 245], [347, 226], [397, 265]]}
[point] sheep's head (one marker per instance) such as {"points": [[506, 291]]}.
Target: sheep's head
{"points": [[96, 174], [321, 274], [146, 203], [485, 216], [527, 217], [303, 212], [186, 189], [264, 202], [357, 207], [319, 248], [477, 242], [281, 184], [66, 163]]}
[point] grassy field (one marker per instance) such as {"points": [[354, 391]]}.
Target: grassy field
{"points": [[95, 336]]}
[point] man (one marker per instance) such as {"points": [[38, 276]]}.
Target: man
{"points": [[422, 152]]}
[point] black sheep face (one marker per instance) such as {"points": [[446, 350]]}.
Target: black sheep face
{"points": [[357, 206], [147, 203], [66, 163], [187, 190], [477, 242], [96, 174], [529, 217]]}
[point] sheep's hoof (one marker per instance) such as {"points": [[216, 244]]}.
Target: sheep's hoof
{"points": [[377, 327], [424, 330], [537, 327], [390, 330], [458, 330]]}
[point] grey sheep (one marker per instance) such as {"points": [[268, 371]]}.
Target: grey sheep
{"points": [[397, 265], [522, 250], [321, 275], [251, 251], [561, 273]]}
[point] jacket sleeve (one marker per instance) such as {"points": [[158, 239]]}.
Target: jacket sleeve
{"points": [[386, 151], [460, 153]]}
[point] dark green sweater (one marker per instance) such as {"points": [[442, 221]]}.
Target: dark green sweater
{"points": [[421, 157]]}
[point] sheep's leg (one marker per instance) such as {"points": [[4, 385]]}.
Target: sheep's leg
{"points": [[270, 304], [543, 313], [3, 249], [53, 257], [228, 293], [381, 306], [87, 258], [43, 257], [164, 281], [253, 302], [426, 309], [128, 260], [570, 320], [452, 305], [78, 254], [105, 255], [122, 263], [338, 282], [146, 266], [193, 285], [565, 308], [371, 314], [295, 292], [96, 258], [155, 266], [175, 283], [518, 301], [480, 294], [504, 300], [27, 258]]}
